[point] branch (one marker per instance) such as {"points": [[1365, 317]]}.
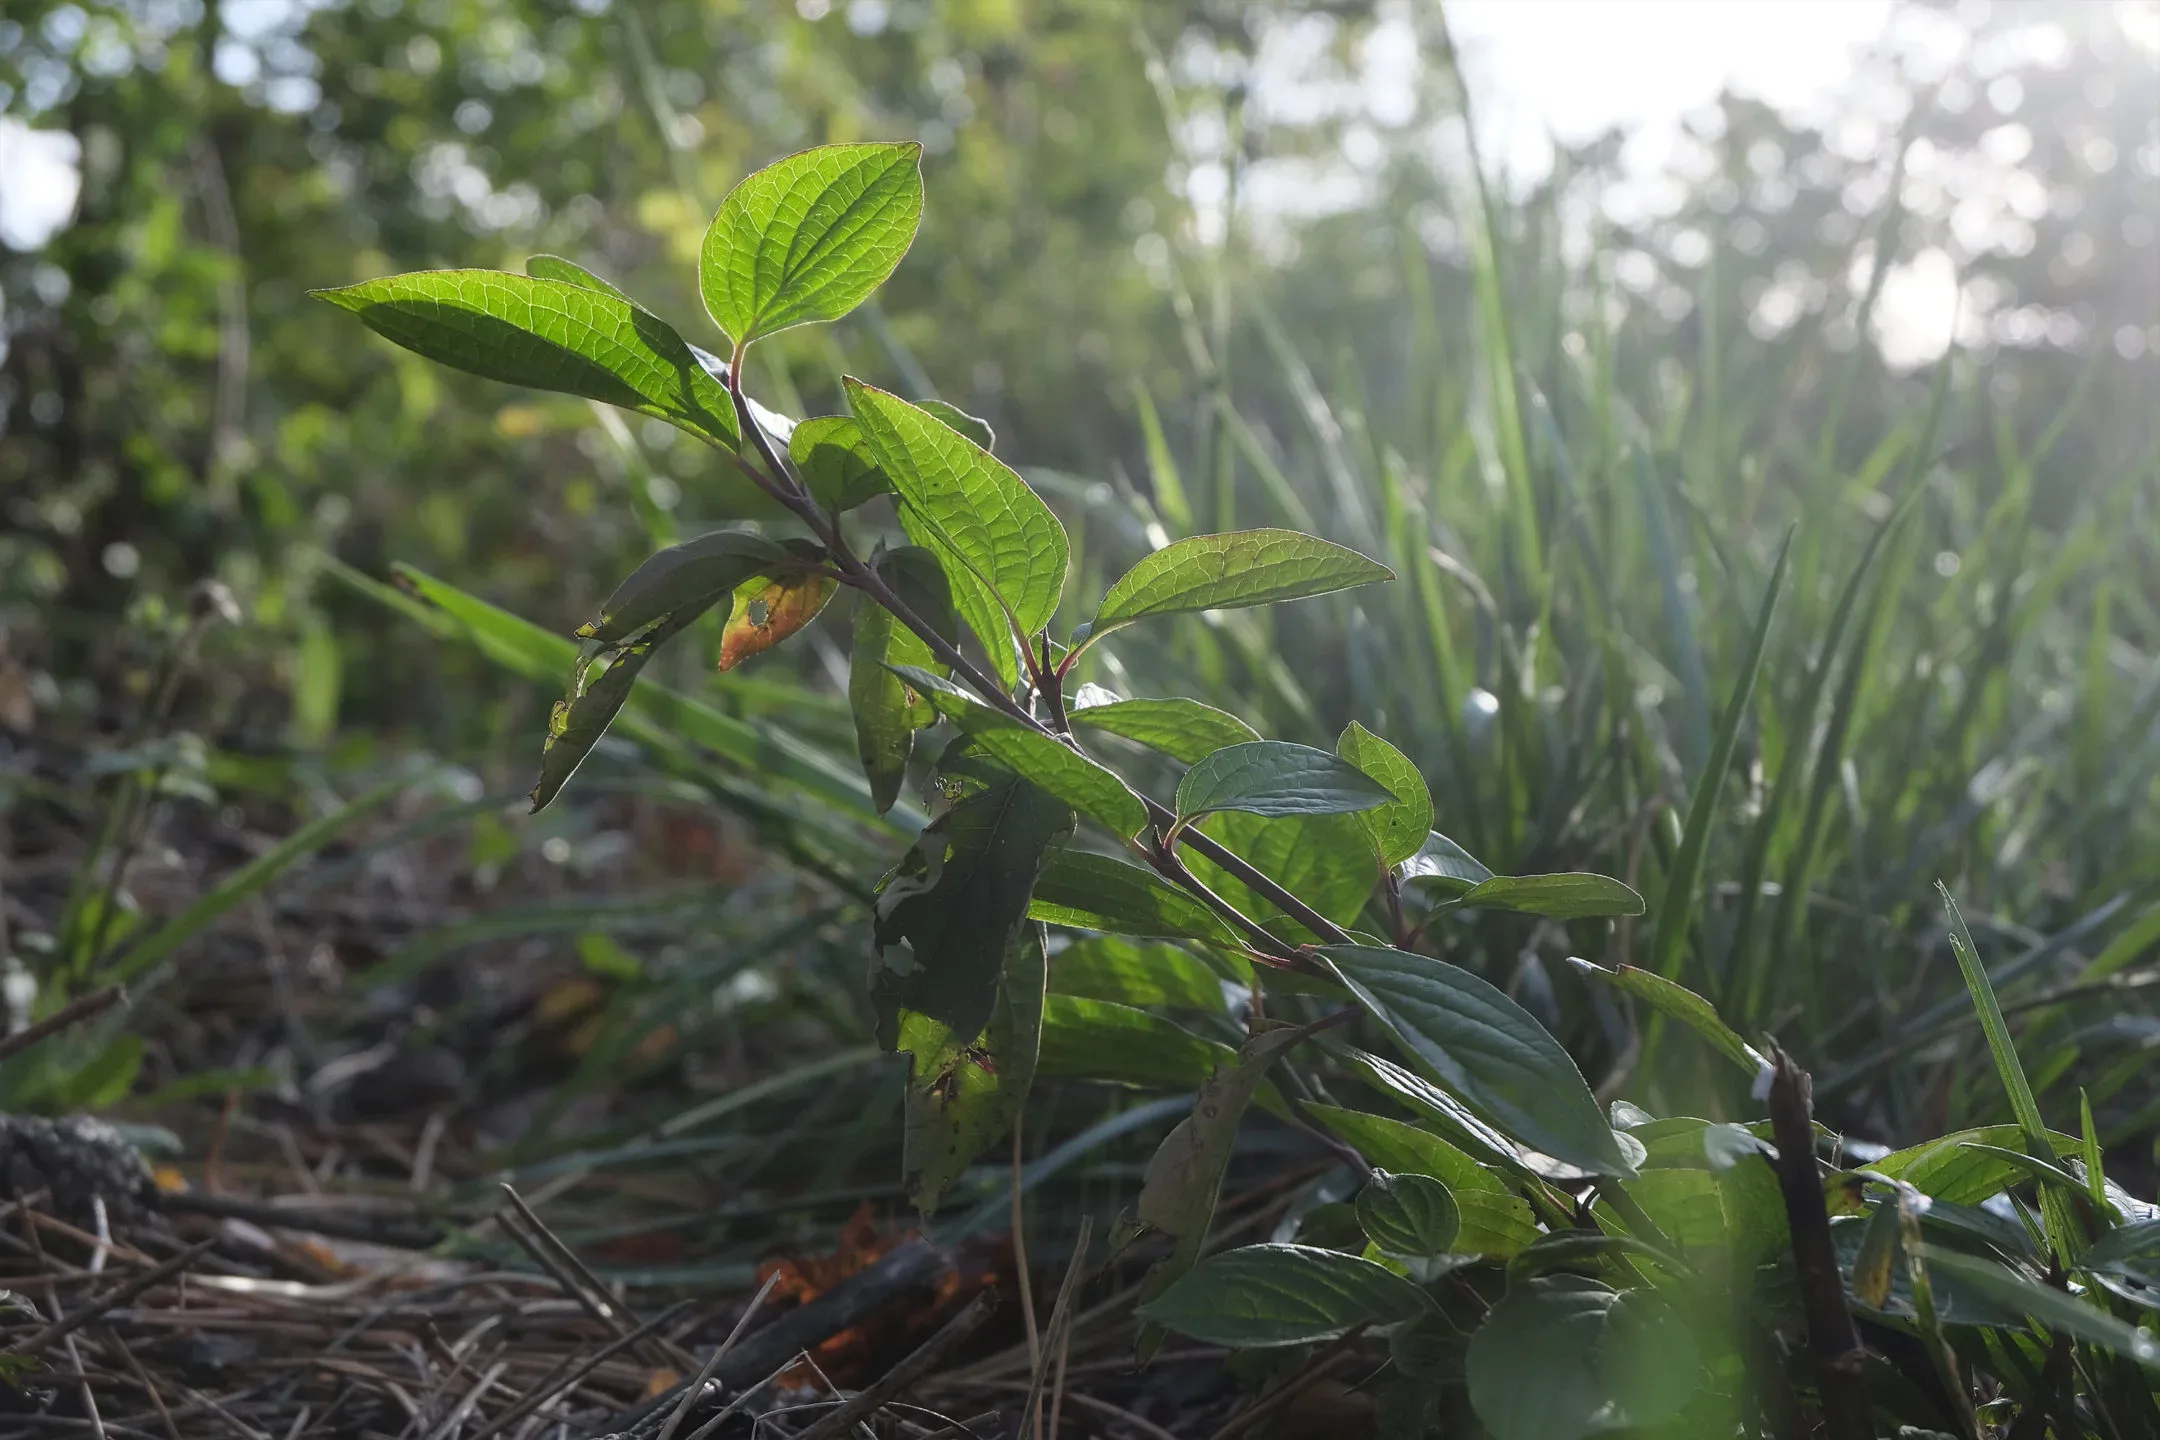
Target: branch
{"points": [[1839, 1360]]}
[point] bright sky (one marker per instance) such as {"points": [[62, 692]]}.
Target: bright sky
{"points": [[1577, 67]]}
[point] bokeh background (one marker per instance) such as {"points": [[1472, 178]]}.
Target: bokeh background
{"points": [[1883, 277]]}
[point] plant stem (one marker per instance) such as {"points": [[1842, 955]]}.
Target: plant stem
{"points": [[1839, 1360], [861, 577]]}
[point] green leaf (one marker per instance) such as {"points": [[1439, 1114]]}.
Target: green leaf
{"points": [[1454, 1118], [1485, 1048], [1399, 827], [550, 335], [1100, 1040], [1559, 897], [962, 1094], [1226, 572], [958, 901], [600, 682], [1683, 1005], [1411, 1214], [969, 507], [1184, 1177], [887, 713], [1495, 1221], [682, 582], [554, 267], [836, 463], [974, 427], [1676, 905], [1185, 730], [1109, 968], [1276, 778], [1042, 759], [810, 237], [1562, 1357], [1324, 860], [1099, 892], [2052, 1309], [1953, 1169], [1445, 865], [1265, 1295]]}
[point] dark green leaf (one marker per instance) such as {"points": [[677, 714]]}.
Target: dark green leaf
{"points": [[599, 684], [1683, 1005], [1100, 1040], [682, 582], [1185, 730], [548, 334], [1275, 778], [959, 901], [969, 507], [1283, 1295], [1184, 1177], [1098, 892], [1399, 827], [1559, 897], [2052, 1309], [1042, 759], [810, 237], [1408, 1214], [1562, 1357], [1224, 572], [1495, 1222], [1485, 1048], [961, 1095], [1130, 973]]}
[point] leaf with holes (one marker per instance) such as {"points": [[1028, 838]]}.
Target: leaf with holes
{"points": [[810, 237], [771, 607], [551, 335]]}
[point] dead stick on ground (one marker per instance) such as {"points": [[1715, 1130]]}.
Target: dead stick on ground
{"points": [[1840, 1362], [904, 1375], [1060, 1328], [68, 1325], [97, 1002], [705, 1373], [557, 1381]]}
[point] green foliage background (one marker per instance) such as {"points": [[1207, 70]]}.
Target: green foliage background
{"points": [[1581, 441]]}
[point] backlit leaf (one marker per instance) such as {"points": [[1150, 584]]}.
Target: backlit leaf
{"points": [[1559, 897], [1276, 778], [968, 506], [1683, 1005], [1322, 859], [548, 334], [1042, 759], [1087, 1039], [1185, 730], [1223, 572], [836, 463], [1494, 1221], [1485, 1048], [810, 237], [1109, 967], [888, 713], [771, 607], [1399, 827], [974, 427]]}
